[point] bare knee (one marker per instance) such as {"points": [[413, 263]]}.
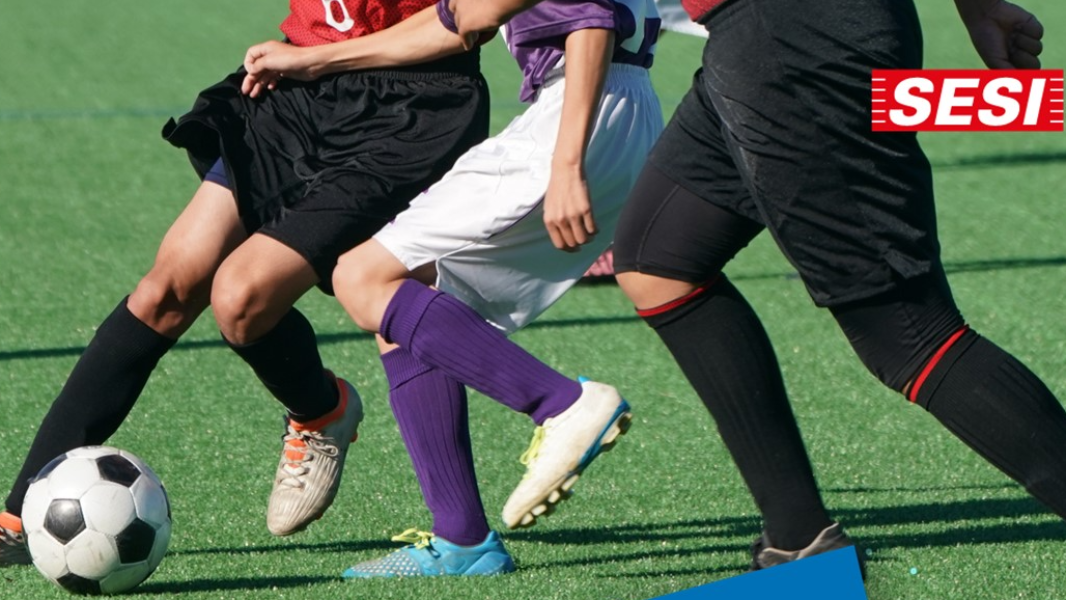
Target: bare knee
{"points": [[167, 305], [239, 307], [648, 291], [363, 290]]}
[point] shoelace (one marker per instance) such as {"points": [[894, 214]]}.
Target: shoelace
{"points": [[533, 451], [300, 447], [419, 538]]}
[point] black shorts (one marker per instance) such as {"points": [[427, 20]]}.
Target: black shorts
{"points": [[321, 166], [776, 129]]}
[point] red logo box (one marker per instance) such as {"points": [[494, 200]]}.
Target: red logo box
{"points": [[966, 100]]}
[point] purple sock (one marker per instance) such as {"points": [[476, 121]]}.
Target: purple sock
{"points": [[430, 408], [449, 335]]}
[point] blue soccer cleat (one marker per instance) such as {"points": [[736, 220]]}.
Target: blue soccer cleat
{"points": [[429, 555]]}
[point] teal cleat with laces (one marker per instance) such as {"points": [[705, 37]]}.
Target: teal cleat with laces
{"points": [[429, 555]]}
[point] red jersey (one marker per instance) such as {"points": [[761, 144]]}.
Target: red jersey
{"points": [[314, 22], [698, 8]]}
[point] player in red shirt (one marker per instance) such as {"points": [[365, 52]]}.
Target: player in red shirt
{"points": [[291, 180]]}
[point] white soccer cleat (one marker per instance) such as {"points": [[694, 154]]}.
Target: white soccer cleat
{"points": [[312, 460], [562, 448]]}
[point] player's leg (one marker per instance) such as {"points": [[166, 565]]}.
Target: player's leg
{"points": [[916, 342], [801, 146], [447, 334], [431, 410], [877, 264], [371, 283], [669, 251], [854, 212], [342, 165], [110, 374], [252, 299]]}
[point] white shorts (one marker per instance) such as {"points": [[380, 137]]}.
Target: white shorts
{"points": [[482, 224]]}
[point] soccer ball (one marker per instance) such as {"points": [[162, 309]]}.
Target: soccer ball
{"points": [[96, 520]]}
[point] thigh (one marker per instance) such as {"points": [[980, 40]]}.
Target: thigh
{"points": [[851, 209], [265, 277], [694, 153], [366, 279], [668, 231], [205, 233]]}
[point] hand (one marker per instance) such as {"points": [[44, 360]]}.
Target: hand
{"points": [[1005, 35], [268, 62], [568, 210]]}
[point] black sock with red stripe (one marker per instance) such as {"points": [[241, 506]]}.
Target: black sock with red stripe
{"points": [[721, 346], [998, 407]]}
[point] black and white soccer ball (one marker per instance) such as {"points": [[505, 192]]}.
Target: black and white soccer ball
{"points": [[96, 520]]}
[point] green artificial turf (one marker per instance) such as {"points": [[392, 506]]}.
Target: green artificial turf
{"points": [[87, 189]]}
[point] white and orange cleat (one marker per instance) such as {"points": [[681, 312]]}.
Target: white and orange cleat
{"points": [[312, 460], [12, 543]]}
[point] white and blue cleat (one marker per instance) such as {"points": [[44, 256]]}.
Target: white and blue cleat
{"points": [[562, 448], [429, 556]]}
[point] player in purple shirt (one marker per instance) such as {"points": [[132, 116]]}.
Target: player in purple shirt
{"points": [[512, 226]]}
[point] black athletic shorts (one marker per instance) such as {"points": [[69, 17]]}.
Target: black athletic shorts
{"points": [[321, 166], [776, 129]]}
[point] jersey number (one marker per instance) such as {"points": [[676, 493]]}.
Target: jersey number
{"points": [[331, 19]]}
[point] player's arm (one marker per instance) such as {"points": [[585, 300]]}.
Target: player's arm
{"points": [[1005, 35], [417, 39], [567, 207], [474, 17]]}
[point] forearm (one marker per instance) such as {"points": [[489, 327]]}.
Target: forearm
{"points": [[588, 56], [417, 39]]}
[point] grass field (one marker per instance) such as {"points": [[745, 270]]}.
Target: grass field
{"points": [[87, 189]]}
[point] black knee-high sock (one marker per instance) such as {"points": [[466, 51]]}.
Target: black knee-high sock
{"points": [[722, 348], [98, 394], [286, 360], [998, 407]]}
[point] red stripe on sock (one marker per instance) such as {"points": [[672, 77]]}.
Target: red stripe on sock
{"points": [[658, 310], [929, 366]]}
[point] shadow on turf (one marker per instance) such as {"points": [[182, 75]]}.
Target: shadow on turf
{"points": [[1002, 160], [967, 520], [237, 583], [259, 583], [345, 546], [325, 339]]}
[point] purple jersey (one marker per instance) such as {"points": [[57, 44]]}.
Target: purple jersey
{"points": [[537, 37]]}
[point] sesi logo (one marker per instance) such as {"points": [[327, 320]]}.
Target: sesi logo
{"points": [[966, 100]]}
